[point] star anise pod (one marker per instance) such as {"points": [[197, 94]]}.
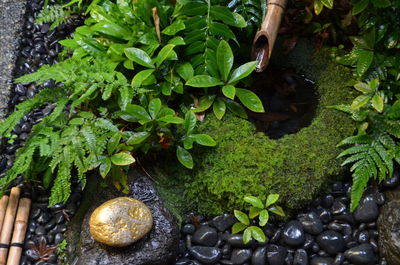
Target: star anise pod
{"points": [[42, 251]]}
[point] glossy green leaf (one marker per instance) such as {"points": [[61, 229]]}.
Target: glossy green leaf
{"points": [[277, 210], [229, 91], [327, 3], [190, 122], [264, 217], [250, 100], [365, 58], [139, 56], [360, 101], [185, 70], [137, 138], [165, 53], [219, 108], [174, 28], [271, 199], [374, 84], [105, 167], [225, 14], [254, 212], [122, 159], [224, 59], [137, 112], [113, 30], [221, 30], [205, 103], [238, 227], [359, 7], [140, 77], [364, 88], [236, 108], [177, 41], [246, 235], [203, 81], [242, 217], [318, 7], [113, 142], [257, 233], [242, 72], [154, 107], [377, 102], [203, 139], [171, 119], [188, 143], [184, 157], [382, 3], [256, 202]]}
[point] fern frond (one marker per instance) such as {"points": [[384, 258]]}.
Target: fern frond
{"points": [[55, 14]]}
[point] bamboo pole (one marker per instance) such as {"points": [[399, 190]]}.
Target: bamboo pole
{"points": [[3, 207], [8, 224], [21, 223], [265, 37]]}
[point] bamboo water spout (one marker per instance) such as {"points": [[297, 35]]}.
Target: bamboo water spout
{"points": [[265, 37]]}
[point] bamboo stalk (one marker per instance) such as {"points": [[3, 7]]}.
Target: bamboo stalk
{"points": [[8, 224], [265, 37], [21, 223], [3, 207]]}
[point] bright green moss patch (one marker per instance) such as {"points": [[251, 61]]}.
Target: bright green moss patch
{"points": [[246, 162]]}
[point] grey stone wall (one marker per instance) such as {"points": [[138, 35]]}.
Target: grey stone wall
{"points": [[11, 24]]}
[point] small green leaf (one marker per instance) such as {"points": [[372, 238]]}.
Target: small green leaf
{"points": [[318, 6], [205, 103], [377, 102], [113, 30], [203, 139], [229, 91], [190, 122], [257, 233], [122, 159], [242, 71], [359, 6], [164, 54], [374, 84], [184, 157], [113, 142], [178, 40], [137, 112], [174, 28], [364, 61], [224, 59], [271, 199], [327, 3], [238, 227], [246, 236], [360, 101], [105, 167], [171, 119], [250, 100], [219, 108], [185, 70], [139, 56], [277, 210], [242, 217], [154, 107], [203, 81], [140, 77], [264, 216], [236, 108], [254, 212], [256, 202], [364, 88], [137, 138]]}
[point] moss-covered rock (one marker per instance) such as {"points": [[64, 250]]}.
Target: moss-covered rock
{"points": [[246, 162]]}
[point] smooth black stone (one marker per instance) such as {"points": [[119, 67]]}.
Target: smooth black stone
{"points": [[337, 186], [225, 262], [393, 181], [31, 255], [367, 211], [206, 255], [346, 217], [293, 234], [57, 207], [43, 218], [338, 259], [374, 244], [240, 256], [330, 241], [315, 247], [324, 215], [276, 254], [60, 218], [338, 207], [227, 250], [380, 198], [49, 225], [188, 241], [327, 201], [343, 228], [309, 241], [363, 237], [26, 127], [276, 236], [373, 234], [321, 261], [20, 90], [289, 258], [351, 244], [40, 230], [32, 227], [361, 255], [311, 223], [50, 238], [236, 241], [188, 229], [183, 261], [300, 257], [35, 212], [223, 222], [259, 256], [206, 236]]}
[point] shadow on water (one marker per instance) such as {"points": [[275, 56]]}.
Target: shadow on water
{"points": [[290, 101]]}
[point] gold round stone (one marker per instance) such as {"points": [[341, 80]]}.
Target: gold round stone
{"points": [[120, 222]]}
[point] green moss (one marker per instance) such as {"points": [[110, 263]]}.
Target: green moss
{"points": [[297, 166]]}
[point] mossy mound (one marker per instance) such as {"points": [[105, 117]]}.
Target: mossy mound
{"points": [[246, 162]]}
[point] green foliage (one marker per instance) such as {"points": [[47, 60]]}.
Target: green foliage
{"points": [[260, 210], [253, 11], [56, 15]]}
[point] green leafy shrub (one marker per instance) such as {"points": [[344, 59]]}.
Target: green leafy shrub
{"points": [[258, 209]]}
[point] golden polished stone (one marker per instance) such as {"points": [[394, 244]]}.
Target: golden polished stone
{"points": [[120, 222]]}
